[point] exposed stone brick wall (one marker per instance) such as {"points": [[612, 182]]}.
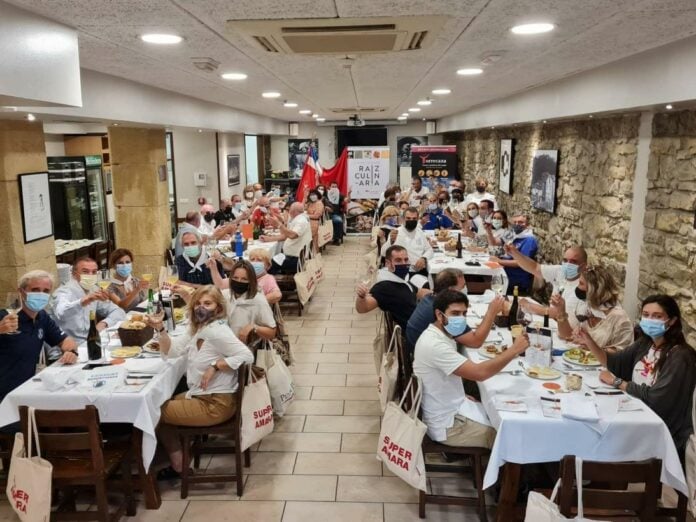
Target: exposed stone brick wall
{"points": [[668, 256]]}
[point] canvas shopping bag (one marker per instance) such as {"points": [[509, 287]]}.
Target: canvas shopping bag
{"points": [[306, 285], [325, 232], [257, 409], [316, 266], [281, 343], [691, 463], [280, 382], [29, 478], [380, 341], [389, 369], [400, 440], [542, 509]]}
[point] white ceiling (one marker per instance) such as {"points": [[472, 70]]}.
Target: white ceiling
{"points": [[589, 33]]}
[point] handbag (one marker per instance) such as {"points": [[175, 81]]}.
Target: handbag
{"points": [[316, 266], [304, 284], [691, 463], [279, 378], [401, 438], [257, 409], [29, 478], [389, 370], [379, 342], [542, 509]]}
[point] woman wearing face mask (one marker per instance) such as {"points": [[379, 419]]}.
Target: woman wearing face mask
{"points": [[602, 320], [248, 196], [498, 233], [260, 259], [126, 290], [213, 356], [192, 265], [433, 215], [335, 206], [659, 368], [248, 312], [315, 211]]}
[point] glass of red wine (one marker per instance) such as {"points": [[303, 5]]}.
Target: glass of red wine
{"points": [[582, 312]]}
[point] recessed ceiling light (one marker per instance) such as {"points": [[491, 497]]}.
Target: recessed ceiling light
{"points": [[414, 109], [290, 104], [115, 124], [424, 102], [234, 76], [305, 111], [161, 38], [321, 119], [315, 115], [31, 117], [591, 116], [404, 114], [200, 130], [544, 121], [441, 92], [271, 94], [536, 28], [401, 118], [469, 71], [668, 106]]}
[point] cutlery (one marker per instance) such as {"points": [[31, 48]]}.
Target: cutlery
{"points": [[609, 392], [549, 399]]}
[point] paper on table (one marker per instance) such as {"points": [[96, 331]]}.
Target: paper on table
{"points": [[551, 408], [149, 365], [474, 410], [580, 408], [509, 403]]}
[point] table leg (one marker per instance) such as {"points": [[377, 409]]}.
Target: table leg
{"points": [[508, 492], [146, 480]]}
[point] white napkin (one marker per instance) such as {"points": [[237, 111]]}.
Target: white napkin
{"points": [[56, 378], [484, 298], [474, 410], [151, 365], [510, 403], [580, 408]]}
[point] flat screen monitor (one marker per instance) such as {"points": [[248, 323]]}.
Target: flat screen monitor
{"points": [[360, 137]]}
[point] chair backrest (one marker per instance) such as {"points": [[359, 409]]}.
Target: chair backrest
{"points": [[644, 502], [242, 374], [66, 432]]}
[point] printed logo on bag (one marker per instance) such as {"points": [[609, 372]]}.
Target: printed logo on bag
{"points": [[286, 397], [397, 454], [20, 499], [263, 417]]}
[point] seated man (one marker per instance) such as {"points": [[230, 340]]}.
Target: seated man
{"points": [[73, 302], [451, 417], [296, 235], [525, 242], [191, 223], [392, 292], [192, 264], [450, 279], [481, 194], [434, 216], [417, 192], [412, 238]]}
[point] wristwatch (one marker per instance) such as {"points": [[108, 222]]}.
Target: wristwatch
{"points": [[214, 365], [618, 381]]}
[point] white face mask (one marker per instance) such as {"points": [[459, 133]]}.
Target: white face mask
{"points": [[88, 281], [472, 213], [248, 195]]}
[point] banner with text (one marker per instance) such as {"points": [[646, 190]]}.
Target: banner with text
{"points": [[368, 177], [434, 164]]}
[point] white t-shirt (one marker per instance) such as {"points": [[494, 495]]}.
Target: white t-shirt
{"points": [[206, 228], [435, 360], [300, 225], [554, 274], [477, 197], [243, 311], [416, 244], [415, 196]]}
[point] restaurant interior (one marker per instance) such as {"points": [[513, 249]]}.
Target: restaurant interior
{"points": [[194, 141]]}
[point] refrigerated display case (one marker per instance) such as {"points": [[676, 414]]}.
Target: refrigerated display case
{"points": [[77, 197]]}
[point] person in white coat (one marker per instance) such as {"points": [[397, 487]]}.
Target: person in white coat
{"points": [[413, 239]]}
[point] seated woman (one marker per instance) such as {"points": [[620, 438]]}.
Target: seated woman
{"points": [[434, 216], [126, 290], [659, 368], [192, 264], [213, 355], [248, 312], [335, 203], [260, 259], [499, 233], [599, 313]]}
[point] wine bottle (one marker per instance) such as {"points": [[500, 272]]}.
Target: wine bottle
{"points": [[150, 302], [94, 347], [546, 318], [514, 307], [459, 246]]}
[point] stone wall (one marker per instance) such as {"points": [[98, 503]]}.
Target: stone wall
{"points": [[668, 257], [596, 167]]}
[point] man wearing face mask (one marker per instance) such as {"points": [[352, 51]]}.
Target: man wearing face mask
{"points": [[412, 238], [335, 203], [481, 193], [225, 213], [73, 302], [258, 190], [434, 216], [208, 223], [525, 242], [456, 200], [417, 192], [452, 418], [393, 291], [295, 236], [27, 331]]}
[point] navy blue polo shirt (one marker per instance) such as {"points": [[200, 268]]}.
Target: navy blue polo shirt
{"points": [[197, 277], [422, 316], [19, 353]]}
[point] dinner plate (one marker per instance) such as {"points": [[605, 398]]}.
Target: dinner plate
{"points": [[578, 363], [549, 374], [489, 355], [149, 348], [126, 352]]}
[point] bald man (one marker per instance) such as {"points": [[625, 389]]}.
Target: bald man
{"points": [[296, 235]]}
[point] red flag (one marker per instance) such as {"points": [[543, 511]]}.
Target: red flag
{"points": [[313, 175]]}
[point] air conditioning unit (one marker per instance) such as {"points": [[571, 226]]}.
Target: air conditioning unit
{"points": [[293, 129], [355, 121]]}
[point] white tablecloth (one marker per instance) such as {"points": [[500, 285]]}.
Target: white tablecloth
{"points": [[142, 409], [273, 247], [530, 437]]}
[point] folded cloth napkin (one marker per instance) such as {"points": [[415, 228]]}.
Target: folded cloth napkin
{"points": [[55, 378], [150, 365], [580, 408]]}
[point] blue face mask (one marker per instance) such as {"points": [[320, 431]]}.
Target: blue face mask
{"points": [[36, 301], [517, 228], [259, 267], [653, 328], [401, 271], [570, 271], [192, 250], [124, 269], [456, 325], [238, 206], [432, 207]]}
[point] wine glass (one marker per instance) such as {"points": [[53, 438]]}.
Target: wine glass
{"points": [[498, 284], [524, 317], [13, 304], [582, 312], [104, 280], [157, 315], [147, 274], [560, 287], [172, 274], [212, 244]]}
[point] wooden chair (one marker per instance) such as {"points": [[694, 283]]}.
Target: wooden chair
{"points": [[605, 503], [72, 442], [195, 442], [6, 443], [475, 457], [286, 283]]}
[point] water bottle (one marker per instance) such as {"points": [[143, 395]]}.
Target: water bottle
{"points": [[238, 245]]}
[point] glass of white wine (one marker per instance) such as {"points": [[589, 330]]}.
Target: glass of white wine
{"points": [[13, 304], [147, 274], [172, 275], [498, 284], [104, 280]]}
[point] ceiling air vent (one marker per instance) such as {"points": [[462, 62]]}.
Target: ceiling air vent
{"points": [[339, 35], [354, 110]]}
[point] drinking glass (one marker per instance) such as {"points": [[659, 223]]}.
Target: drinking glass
{"points": [[13, 304], [104, 280], [212, 244], [147, 274], [524, 317], [560, 287], [582, 312], [498, 284], [172, 274], [157, 316]]}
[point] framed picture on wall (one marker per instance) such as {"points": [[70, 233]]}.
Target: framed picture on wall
{"points": [[35, 202], [544, 173], [297, 154], [232, 170], [505, 165]]}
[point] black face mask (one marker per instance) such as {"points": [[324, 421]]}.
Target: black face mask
{"points": [[410, 224], [481, 189], [209, 217], [238, 287], [580, 294]]}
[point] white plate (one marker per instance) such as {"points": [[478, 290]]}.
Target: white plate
{"points": [[578, 363], [483, 353], [147, 348], [134, 353], [552, 376]]}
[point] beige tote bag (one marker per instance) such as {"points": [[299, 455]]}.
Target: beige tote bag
{"points": [[257, 409], [279, 379], [389, 370]]}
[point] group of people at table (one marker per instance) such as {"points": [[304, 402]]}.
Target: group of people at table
{"points": [[651, 362]]}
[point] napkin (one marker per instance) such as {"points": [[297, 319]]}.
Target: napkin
{"points": [[150, 365], [54, 379], [578, 407], [510, 403]]}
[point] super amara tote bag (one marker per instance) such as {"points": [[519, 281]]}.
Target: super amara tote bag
{"points": [[257, 409]]}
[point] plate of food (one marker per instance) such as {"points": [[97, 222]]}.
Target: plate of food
{"points": [[152, 347], [543, 373], [580, 357], [491, 350], [126, 352]]}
